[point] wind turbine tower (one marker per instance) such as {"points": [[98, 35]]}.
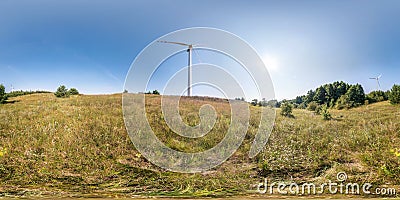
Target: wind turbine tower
{"points": [[190, 51], [377, 81]]}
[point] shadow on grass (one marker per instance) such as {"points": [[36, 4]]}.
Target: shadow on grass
{"points": [[289, 116], [10, 101]]}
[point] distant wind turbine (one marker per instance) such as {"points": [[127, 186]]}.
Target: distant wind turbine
{"points": [[377, 81], [189, 50]]}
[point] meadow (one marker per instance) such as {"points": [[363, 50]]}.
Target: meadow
{"points": [[78, 146]]}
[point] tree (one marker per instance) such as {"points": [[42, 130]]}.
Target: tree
{"points": [[387, 93], [310, 96], [320, 95], [356, 95], [62, 92], [239, 98], [254, 102], [273, 103], [3, 96], [300, 99], [394, 95], [263, 102], [287, 109], [330, 94], [340, 89], [73, 91], [156, 92]]}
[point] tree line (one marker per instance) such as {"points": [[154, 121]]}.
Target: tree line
{"points": [[337, 95], [61, 92], [4, 96]]}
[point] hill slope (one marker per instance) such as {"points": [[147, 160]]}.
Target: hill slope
{"points": [[79, 145]]}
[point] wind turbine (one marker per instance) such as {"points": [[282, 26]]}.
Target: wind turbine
{"points": [[190, 51], [377, 81]]}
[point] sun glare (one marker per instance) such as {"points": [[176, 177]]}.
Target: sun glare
{"points": [[271, 62]]}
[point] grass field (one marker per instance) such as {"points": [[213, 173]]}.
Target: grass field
{"points": [[79, 146]]}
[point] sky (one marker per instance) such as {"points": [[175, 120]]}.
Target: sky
{"points": [[90, 45]]}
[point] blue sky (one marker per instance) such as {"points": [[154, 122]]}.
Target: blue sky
{"points": [[91, 44]]}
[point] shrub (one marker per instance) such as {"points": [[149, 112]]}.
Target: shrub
{"points": [[73, 91], [312, 106], [254, 102], [343, 102], [318, 110], [62, 92], [325, 113], [287, 110], [302, 106], [376, 96], [394, 95], [156, 92], [3, 96]]}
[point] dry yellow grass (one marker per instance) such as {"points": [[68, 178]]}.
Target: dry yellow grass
{"points": [[79, 145]]}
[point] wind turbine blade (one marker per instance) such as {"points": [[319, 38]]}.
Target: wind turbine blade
{"points": [[179, 43], [379, 76], [197, 55], [199, 45], [372, 78], [379, 84]]}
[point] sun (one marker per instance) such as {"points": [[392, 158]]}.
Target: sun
{"points": [[271, 62]]}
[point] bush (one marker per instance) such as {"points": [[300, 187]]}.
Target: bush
{"points": [[376, 96], [62, 92], [302, 106], [156, 92], [318, 110], [312, 106], [394, 95], [73, 91], [254, 102], [3, 96], [325, 113], [287, 110], [343, 102]]}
